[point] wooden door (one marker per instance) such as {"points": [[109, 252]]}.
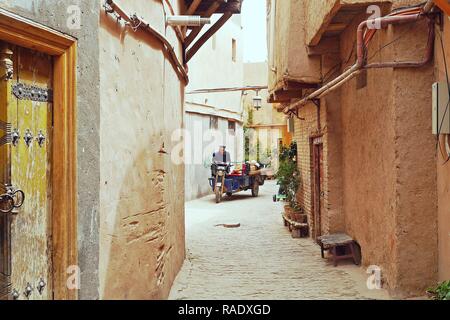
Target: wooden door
{"points": [[318, 193], [27, 109]]}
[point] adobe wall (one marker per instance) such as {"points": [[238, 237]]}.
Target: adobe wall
{"points": [[443, 171], [388, 185], [290, 59], [416, 218], [141, 191]]}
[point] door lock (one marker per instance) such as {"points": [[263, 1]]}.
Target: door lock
{"points": [[40, 139], [28, 137]]}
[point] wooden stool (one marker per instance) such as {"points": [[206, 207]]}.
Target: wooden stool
{"points": [[334, 242]]}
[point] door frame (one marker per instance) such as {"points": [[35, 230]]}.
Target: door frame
{"points": [[26, 33], [316, 194]]}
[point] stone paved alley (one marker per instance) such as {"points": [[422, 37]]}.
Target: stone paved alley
{"points": [[259, 260]]}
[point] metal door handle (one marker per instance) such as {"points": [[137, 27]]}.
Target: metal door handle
{"points": [[6, 203], [12, 199]]}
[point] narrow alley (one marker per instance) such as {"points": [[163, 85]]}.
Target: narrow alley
{"points": [[259, 260]]}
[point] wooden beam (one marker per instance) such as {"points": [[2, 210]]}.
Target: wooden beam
{"points": [[325, 23], [444, 5], [195, 32], [336, 27], [326, 46], [194, 5], [208, 34], [285, 96]]}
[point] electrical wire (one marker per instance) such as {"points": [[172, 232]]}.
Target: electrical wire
{"points": [[390, 43]]}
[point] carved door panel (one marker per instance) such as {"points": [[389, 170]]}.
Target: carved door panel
{"points": [[27, 109]]}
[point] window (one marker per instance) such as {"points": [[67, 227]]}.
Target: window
{"points": [[234, 50], [232, 127], [213, 123]]}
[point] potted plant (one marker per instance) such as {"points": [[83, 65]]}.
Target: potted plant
{"points": [[289, 182]]}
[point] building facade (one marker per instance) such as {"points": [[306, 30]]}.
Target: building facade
{"points": [[99, 94], [366, 151], [214, 119], [265, 128]]}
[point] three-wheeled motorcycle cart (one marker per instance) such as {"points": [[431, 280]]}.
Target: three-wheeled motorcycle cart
{"points": [[223, 182]]}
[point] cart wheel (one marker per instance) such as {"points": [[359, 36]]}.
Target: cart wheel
{"points": [[229, 194], [255, 189], [218, 195]]}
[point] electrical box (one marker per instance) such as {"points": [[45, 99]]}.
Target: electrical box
{"points": [[291, 126], [441, 108]]}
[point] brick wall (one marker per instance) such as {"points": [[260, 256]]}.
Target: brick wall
{"points": [[332, 219]]}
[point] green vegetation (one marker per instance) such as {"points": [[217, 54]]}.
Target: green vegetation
{"points": [[441, 291], [288, 175]]}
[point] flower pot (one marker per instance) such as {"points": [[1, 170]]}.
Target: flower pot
{"points": [[288, 211], [299, 217]]}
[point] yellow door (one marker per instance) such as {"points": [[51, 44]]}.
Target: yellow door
{"points": [[26, 117]]}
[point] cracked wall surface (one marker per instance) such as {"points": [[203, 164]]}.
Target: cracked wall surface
{"points": [[142, 191]]}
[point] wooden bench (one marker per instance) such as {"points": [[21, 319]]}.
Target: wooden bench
{"points": [[336, 243], [297, 229]]}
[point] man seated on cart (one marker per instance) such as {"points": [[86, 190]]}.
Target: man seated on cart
{"points": [[222, 156]]}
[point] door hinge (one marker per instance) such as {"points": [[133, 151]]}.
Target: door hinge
{"points": [[26, 92]]}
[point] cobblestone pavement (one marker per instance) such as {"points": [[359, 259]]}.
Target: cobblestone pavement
{"points": [[259, 260]]}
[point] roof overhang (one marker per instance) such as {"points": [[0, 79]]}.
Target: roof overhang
{"points": [[206, 8], [200, 7], [288, 89], [340, 17]]}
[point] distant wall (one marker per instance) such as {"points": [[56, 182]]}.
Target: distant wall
{"points": [[199, 155], [214, 67]]}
